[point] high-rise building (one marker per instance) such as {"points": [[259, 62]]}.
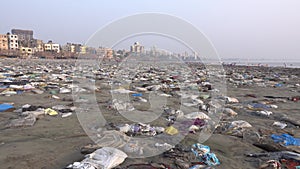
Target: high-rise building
{"points": [[3, 42], [13, 43], [137, 48], [25, 37]]}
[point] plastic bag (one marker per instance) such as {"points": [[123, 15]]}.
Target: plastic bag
{"points": [[286, 139]]}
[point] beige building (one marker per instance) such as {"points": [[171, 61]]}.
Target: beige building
{"points": [[3, 42], [38, 45], [52, 47], [82, 49], [13, 43], [105, 52], [26, 51]]}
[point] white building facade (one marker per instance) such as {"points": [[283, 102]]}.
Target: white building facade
{"points": [[53, 47], [13, 42]]}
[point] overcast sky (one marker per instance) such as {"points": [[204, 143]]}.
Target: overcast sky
{"points": [[263, 29]]}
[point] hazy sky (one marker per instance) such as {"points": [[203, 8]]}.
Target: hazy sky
{"points": [[264, 29]]}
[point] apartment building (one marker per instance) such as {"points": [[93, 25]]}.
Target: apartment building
{"points": [[13, 43], [3, 42]]}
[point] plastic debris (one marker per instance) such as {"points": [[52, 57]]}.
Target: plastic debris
{"points": [[230, 112], [279, 124], [51, 112], [203, 154], [195, 115], [280, 159], [165, 146], [137, 94], [171, 130], [231, 100], [286, 139], [4, 107], [240, 124], [66, 115], [22, 122], [104, 158], [140, 129], [264, 113], [274, 164]]}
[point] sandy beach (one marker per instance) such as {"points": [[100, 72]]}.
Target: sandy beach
{"points": [[54, 142]]}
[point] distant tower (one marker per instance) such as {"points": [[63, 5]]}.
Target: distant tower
{"points": [[137, 48], [195, 55]]}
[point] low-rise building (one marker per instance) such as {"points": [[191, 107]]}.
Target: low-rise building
{"points": [[106, 53], [13, 43], [3, 42], [52, 47], [26, 51], [38, 45], [72, 48]]}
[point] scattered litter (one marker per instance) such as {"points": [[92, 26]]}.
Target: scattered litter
{"points": [[203, 154]]}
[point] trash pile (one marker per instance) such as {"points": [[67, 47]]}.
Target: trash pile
{"points": [[280, 160], [28, 114], [54, 79], [203, 154], [141, 129], [197, 156]]}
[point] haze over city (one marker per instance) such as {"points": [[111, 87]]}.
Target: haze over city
{"points": [[246, 30]]}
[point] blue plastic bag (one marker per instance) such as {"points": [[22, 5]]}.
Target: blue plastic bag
{"points": [[286, 139], [4, 107], [137, 94], [202, 152]]}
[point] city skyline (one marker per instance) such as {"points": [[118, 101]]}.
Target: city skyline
{"points": [[244, 30]]}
